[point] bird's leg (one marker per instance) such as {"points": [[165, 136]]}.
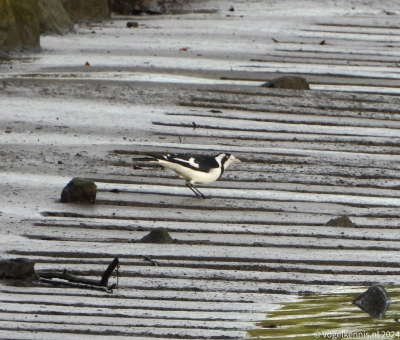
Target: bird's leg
{"points": [[190, 187], [199, 192], [195, 190]]}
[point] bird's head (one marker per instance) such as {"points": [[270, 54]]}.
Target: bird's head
{"points": [[227, 158]]}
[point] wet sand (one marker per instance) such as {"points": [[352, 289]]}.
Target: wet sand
{"points": [[308, 157]]}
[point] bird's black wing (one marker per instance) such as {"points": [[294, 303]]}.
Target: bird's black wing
{"points": [[202, 163]]}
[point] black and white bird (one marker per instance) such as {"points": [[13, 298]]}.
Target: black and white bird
{"points": [[195, 169]]}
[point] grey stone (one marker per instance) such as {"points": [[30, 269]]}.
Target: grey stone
{"points": [[375, 301], [18, 269], [288, 82], [131, 24], [79, 190], [159, 235], [342, 221]]}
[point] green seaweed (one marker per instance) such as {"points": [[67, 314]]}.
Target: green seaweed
{"points": [[330, 316]]}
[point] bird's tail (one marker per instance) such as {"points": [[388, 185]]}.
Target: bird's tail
{"points": [[146, 158]]}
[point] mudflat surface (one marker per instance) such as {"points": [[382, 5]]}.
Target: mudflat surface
{"points": [[190, 83]]}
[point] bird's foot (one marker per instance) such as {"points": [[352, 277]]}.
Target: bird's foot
{"points": [[196, 191]]}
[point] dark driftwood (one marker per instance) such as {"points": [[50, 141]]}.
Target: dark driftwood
{"points": [[149, 259], [74, 285], [80, 282], [106, 275]]}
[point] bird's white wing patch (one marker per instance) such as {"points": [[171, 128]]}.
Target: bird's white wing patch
{"points": [[191, 161]]}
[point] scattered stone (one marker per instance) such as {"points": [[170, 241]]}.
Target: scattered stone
{"points": [[231, 9], [159, 235], [87, 64], [79, 190], [288, 82], [342, 222], [131, 24], [53, 19], [17, 269], [322, 42], [375, 301]]}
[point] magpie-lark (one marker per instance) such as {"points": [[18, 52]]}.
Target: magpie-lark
{"points": [[195, 169]]}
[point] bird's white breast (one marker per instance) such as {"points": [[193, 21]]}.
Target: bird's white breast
{"points": [[192, 176]]}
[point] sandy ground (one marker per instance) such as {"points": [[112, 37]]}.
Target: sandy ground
{"points": [[142, 92]]}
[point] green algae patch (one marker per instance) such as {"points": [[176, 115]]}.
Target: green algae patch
{"points": [[331, 316]]}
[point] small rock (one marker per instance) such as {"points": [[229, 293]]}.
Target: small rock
{"points": [[375, 301], [18, 269], [79, 190], [288, 82], [231, 9], [131, 24], [87, 64], [342, 221], [159, 235]]}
